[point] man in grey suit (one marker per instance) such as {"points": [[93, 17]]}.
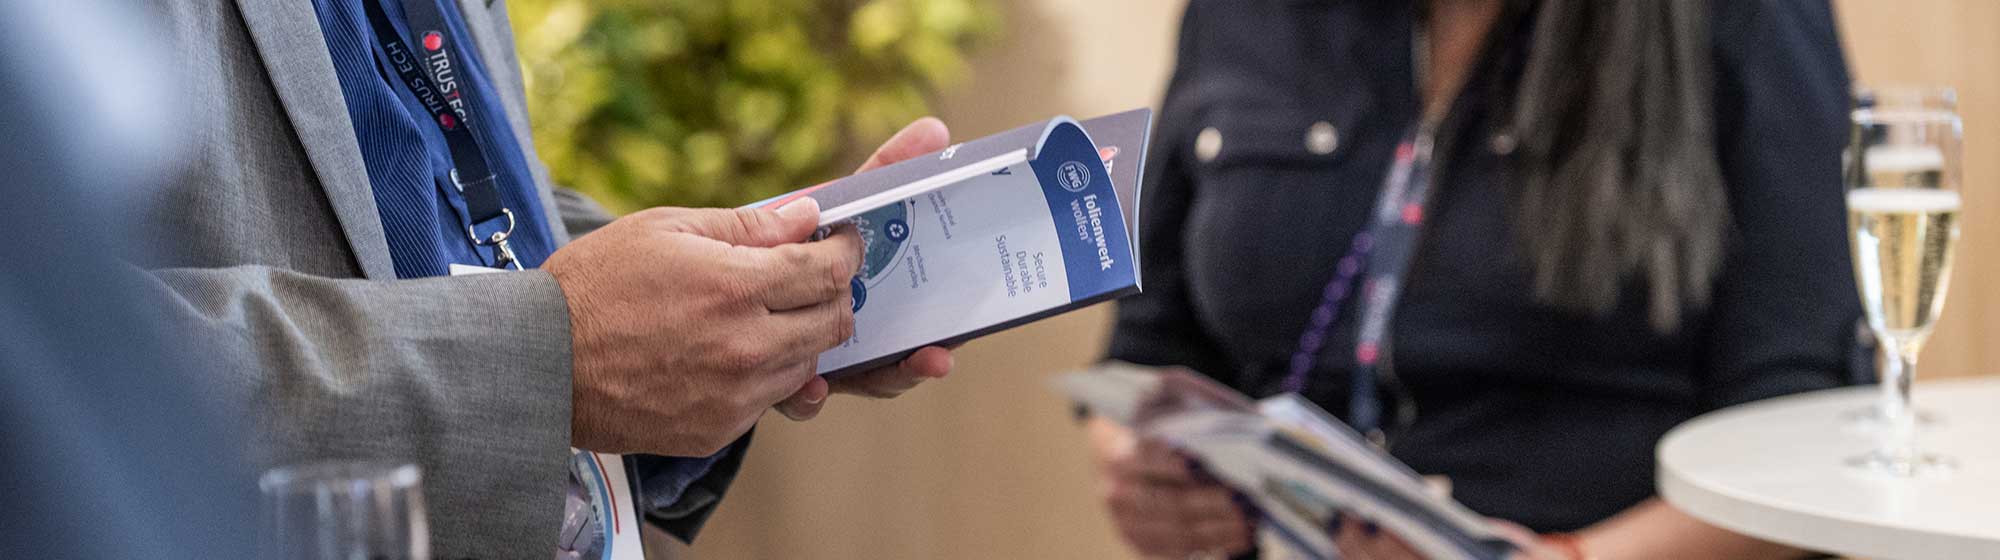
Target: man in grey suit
{"points": [[667, 332]]}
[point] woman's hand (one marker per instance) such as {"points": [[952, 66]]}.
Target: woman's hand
{"points": [[1163, 506], [1362, 540]]}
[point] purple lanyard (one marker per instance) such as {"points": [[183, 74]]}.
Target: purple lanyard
{"points": [[1383, 251]]}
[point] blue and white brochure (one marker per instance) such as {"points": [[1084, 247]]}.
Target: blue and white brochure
{"points": [[988, 235]]}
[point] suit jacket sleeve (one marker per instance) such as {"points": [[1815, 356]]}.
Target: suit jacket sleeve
{"points": [[358, 369]]}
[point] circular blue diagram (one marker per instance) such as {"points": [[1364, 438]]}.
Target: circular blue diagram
{"points": [[884, 233]]}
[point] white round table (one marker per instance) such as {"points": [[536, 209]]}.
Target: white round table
{"points": [[1777, 470]]}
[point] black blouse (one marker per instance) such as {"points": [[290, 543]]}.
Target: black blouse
{"points": [[1275, 134]]}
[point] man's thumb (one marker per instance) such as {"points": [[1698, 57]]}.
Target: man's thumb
{"points": [[756, 227]]}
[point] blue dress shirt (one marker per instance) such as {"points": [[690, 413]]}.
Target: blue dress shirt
{"points": [[407, 158]]}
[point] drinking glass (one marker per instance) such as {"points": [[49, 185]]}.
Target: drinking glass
{"points": [[344, 510], [1903, 179]]}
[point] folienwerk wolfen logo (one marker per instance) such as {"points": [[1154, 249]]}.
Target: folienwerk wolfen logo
{"points": [[1073, 176]]}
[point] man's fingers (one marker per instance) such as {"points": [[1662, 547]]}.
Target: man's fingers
{"points": [[807, 402], [884, 383], [751, 227], [806, 332], [786, 388], [921, 137], [809, 274], [930, 362]]}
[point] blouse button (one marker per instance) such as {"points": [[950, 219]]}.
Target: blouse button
{"points": [[1208, 144], [1502, 143], [1322, 138]]}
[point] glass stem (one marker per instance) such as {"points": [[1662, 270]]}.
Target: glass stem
{"points": [[1898, 444]]}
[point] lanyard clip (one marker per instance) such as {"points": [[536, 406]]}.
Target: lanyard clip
{"points": [[505, 257]]}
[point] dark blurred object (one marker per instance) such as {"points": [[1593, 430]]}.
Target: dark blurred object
{"points": [[106, 448]]}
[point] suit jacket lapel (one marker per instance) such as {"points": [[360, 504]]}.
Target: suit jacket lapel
{"points": [[288, 39]]}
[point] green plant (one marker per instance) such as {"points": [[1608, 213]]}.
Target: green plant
{"points": [[722, 102]]}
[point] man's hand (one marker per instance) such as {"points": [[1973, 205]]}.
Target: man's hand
{"points": [[688, 324], [924, 136], [1161, 506]]}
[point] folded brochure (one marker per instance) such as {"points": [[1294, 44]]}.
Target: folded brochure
{"points": [[988, 235], [1295, 463]]}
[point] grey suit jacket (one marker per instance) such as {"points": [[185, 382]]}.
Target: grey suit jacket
{"points": [[270, 243]]}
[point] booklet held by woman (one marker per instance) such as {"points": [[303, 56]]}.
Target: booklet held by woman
{"points": [[1299, 467], [988, 235]]}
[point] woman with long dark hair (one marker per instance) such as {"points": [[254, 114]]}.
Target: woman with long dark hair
{"points": [[1514, 241]]}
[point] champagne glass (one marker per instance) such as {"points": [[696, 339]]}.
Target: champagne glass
{"points": [[344, 510], [1903, 179]]}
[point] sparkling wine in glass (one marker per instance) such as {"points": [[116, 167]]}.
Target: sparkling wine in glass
{"points": [[1903, 218]]}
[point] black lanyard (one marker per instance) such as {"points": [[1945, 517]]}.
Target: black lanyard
{"points": [[432, 75], [1383, 250]]}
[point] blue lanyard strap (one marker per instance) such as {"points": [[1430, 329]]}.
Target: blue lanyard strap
{"points": [[1383, 252], [433, 77]]}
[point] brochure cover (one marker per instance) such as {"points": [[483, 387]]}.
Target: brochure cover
{"points": [[1298, 465], [988, 234]]}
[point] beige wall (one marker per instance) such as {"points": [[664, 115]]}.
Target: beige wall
{"points": [[987, 465]]}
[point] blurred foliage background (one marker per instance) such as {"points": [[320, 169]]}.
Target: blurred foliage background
{"points": [[722, 102]]}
